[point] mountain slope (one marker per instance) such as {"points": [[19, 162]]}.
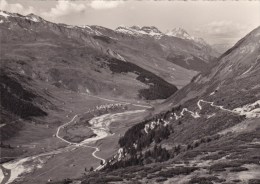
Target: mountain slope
{"points": [[17, 102], [179, 60], [182, 51], [50, 72], [76, 59], [236, 71], [208, 132], [54, 74]]}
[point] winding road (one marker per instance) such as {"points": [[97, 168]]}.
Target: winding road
{"points": [[11, 170], [62, 126], [82, 143], [248, 114], [196, 114], [212, 104], [97, 157]]}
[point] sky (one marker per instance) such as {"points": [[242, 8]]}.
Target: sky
{"points": [[216, 21]]}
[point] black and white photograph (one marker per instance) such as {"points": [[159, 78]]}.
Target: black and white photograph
{"points": [[129, 92]]}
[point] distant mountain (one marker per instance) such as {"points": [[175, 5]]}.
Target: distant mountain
{"points": [[238, 68], [147, 47], [178, 46], [181, 33], [152, 31], [141, 31]]}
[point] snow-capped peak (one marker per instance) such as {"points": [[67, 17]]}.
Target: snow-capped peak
{"points": [[156, 33], [183, 34], [200, 40], [33, 17], [135, 27], [4, 14], [151, 30], [140, 31], [134, 30], [85, 27], [180, 33]]}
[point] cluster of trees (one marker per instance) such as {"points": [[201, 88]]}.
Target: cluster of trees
{"points": [[132, 134], [156, 154], [136, 139]]}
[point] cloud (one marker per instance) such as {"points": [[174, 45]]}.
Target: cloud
{"points": [[16, 8], [63, 8], [223, 29], [105, 4]]}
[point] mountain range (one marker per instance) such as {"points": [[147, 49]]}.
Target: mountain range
{"points": [[156, 107], [95, 60]]}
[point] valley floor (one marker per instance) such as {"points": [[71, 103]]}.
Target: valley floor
{"points": [[56, 158]]}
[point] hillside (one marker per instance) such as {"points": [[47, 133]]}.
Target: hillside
{"points": [[207, 132], [69, 93], [92, 60], [74, 59], [40, 60]]}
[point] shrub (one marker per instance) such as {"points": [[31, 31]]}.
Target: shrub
{"points": [[238, 169], [206, 180], [223, 165], [161, 179], [176, 171]]}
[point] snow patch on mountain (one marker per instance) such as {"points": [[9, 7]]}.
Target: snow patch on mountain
{"points": [[180, 33], [157, 34], [115, 55], [140, 31], [70, 26], [85, 27], [4, 14], [33, 18], [183, 34]]}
